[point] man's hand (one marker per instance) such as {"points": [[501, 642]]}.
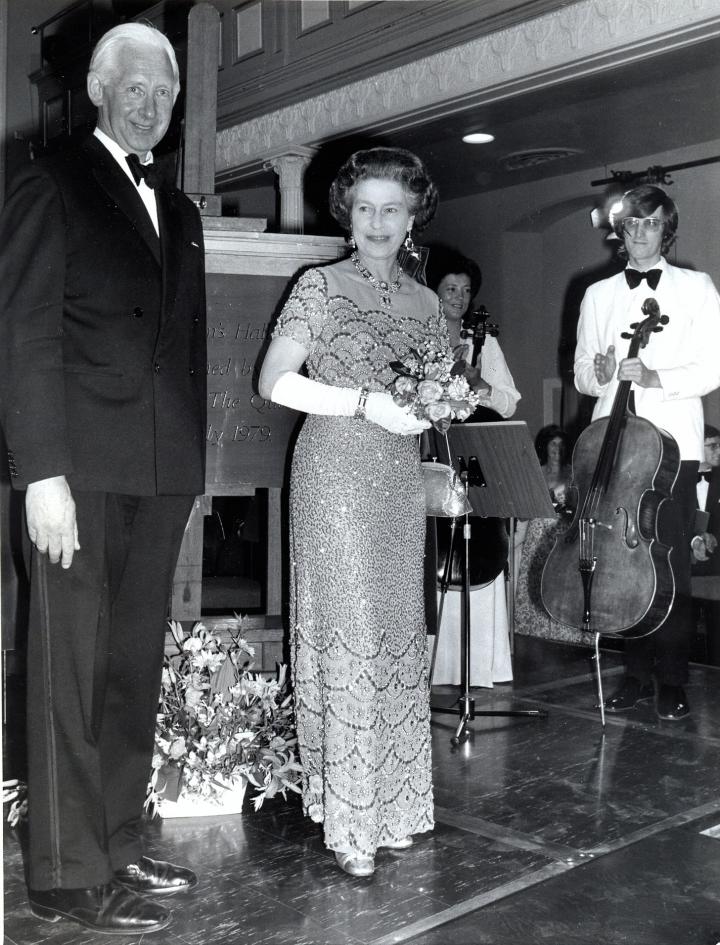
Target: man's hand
{"points": [[633, 369], [703, 545], [51, 523], [604, 365]]}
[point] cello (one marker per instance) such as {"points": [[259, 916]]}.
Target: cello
{"points": [[609, 572]]}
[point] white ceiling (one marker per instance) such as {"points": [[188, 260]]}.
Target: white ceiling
{"points": [[659, 104]]}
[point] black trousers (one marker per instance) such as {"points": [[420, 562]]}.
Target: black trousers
{"points": [[666, 652], [95, 648], [710, 611]]}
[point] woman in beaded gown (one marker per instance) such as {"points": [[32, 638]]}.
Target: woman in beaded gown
{"points": [[357, 517]]}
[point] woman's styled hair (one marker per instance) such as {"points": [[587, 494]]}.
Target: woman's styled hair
{"points": [[444, 262], [384, 164], [137, 35], [642, 202], [551, 432]]}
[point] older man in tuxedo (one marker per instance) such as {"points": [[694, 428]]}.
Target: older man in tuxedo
{"points": [[669, 378], [102, 383], [706, 557]]}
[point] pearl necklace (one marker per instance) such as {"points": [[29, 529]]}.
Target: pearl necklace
{"points": [[384, 288]]}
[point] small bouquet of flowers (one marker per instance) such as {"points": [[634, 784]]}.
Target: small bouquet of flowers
{"points": [[429, 381]]}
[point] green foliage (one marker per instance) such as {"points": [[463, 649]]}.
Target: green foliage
{"points": [[219, 723]]}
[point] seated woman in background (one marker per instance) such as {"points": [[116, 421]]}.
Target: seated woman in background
{"points": [[551, 446], [457, 280], [553, 449]]}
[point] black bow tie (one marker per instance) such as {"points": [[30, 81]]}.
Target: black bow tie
{"points": [[634, 278], [704, 475], [149, 172]]}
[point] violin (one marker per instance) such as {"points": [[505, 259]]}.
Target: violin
{"points": [[609, 571], [477, 327]]}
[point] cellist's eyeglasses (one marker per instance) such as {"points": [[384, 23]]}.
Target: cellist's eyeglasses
{"points": [[631, 225]]}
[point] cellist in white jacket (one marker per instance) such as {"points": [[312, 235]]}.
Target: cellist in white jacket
{"points": [[677, 368]]}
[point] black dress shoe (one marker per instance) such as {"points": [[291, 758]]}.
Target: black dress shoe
{"points": [[672, 703], [630, 693], [110, 909], [156, 877]]}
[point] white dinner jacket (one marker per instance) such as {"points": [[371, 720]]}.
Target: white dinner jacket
{"points": [[686, 353]]}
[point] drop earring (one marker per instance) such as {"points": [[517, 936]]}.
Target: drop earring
{"points": [[412, 259], [351, 241]]}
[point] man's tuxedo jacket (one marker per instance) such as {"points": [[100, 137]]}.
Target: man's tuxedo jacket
{"points": [[102, 330]]}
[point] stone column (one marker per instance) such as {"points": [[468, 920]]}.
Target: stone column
{"points": [[290, 167]]}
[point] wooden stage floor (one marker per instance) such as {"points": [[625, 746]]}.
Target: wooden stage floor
{"points": [[548, 831]]}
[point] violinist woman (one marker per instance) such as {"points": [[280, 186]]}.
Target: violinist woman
{"points": [[457, 280]]}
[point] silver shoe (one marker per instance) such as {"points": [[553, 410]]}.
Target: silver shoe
{"points": [[354, 864], [402, 844]]}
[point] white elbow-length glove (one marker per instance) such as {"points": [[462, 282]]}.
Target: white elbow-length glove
{"points": [[300, 393]]}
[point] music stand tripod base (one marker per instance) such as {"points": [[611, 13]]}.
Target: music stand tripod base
{"points": [[465, 707], [471, 475]]}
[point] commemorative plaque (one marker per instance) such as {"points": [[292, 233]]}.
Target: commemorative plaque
{"points": [[249, 276], [247, 436]]}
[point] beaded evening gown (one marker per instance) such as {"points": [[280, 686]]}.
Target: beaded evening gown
{"points": [[357, 529]]}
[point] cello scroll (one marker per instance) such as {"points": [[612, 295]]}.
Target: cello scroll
{"points": [[641, 331]]}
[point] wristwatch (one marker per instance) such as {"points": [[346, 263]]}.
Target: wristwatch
{"points": [[361, 404]]}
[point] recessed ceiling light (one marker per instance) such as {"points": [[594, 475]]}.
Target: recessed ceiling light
{"points": [[519, 160], [478, 137]]}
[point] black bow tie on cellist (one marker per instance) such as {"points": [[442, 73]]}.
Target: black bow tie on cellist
{"points": [[704, 474], [634, 277]]}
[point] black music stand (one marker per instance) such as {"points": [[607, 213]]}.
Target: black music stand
{"points": [[501, 474]]}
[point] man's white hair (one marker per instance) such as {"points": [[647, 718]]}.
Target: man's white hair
{"points": [[104, 58]]}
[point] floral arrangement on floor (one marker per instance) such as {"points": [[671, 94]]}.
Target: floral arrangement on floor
{"points": [[219, 724], [430, 382], [15, 794]]}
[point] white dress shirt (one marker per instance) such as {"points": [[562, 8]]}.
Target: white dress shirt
{"points": [[702, 493], [147, 194], [685, 353], [494, 370]]}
